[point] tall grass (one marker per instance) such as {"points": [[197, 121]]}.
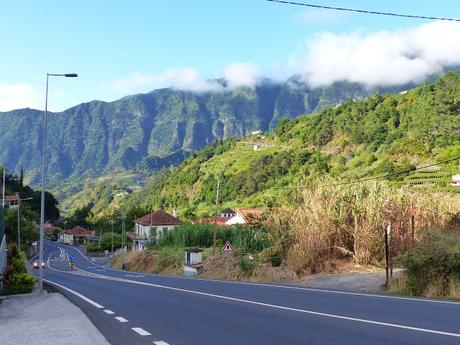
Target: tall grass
{"points": [[246, 239], [333, 221]]}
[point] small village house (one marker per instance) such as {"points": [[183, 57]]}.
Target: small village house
{"points": [[152, 226], [75, 234], [245, 216], [455, 180], [227, 213], [12, 201], [221, 220]]}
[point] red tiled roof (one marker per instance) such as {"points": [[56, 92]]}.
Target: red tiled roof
{"points": [[213, 220], [158, 218], [250, 214], [12, 197], [78, 231], [49, 228]]}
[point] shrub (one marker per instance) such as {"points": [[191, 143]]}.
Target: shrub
{"points": [[105, 243], [433, 267], [18, 283], [247, 266], [15, 278]]}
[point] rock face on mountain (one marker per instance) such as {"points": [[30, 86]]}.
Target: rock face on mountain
{"points": [[155, 129]]}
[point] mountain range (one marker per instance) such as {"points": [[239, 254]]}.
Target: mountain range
{"points": [[146, 132]]}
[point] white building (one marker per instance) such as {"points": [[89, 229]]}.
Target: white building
{"points": [[455, 180], [245, 216], [151, 227]]}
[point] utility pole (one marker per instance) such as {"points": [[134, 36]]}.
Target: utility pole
{"points": [[19, 225], [387, 256], [215, 219], [123, 231], [112, 233], [3, 187]]}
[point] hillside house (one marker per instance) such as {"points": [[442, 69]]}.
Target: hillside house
{"points": [[455, 180], [245, 216], [227, 213], [73, 235], [152, 226], [12, 201], [219, 221]]}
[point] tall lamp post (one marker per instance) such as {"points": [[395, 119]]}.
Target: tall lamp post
{"points": [[42, 206]]}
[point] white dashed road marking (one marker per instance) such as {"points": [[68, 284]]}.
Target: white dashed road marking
{"points": [[108, 311], [121, 319], [140, 331], [161, 342]]}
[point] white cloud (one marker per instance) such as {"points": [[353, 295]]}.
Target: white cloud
{"points": [[382, 58], [186, 79], [242, 74], [19, 95]]}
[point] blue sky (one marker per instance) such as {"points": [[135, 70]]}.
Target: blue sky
{"points": [[123, 47]]}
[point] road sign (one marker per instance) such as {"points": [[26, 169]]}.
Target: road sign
{"points": [[228, 247], [71, 257]]}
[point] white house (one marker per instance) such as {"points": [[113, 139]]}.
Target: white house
{"points": [[152, 226], [245, 216], [227, 213], [455, 180]]}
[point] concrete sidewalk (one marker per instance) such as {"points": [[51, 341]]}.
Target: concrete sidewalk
{"points": [[45, 319]]}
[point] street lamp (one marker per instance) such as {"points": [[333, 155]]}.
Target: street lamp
{"points": [[19, 222], [42, 206]]}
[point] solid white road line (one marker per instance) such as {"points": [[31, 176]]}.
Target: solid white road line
{"points": [[161, 342], [280, 307], [86, 299], [108, 311], [290, 287], [121, 319], [424, 330], [140, 331], [299, 288]]}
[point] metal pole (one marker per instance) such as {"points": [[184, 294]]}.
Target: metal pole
{"points": [[42, 206], [112, 234], [3, 187], [214, 239], [123, 231], [19, 225], [387, 278]]}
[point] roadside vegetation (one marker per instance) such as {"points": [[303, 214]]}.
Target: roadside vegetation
{"points": [[105, 243], [432, 267], [16, 280], [304, 175], [319, 228]]}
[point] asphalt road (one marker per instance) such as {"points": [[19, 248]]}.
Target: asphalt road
{"points": [[132, 308]]}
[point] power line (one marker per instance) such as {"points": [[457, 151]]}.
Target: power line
{"points": [[364, 11]]}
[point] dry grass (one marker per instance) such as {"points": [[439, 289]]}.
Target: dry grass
{"points": [[332, 222]]}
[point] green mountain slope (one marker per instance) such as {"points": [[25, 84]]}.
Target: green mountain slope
{"points": [[375, 136], [147, 132]]}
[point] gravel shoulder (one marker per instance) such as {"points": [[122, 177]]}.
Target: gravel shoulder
{"points": [[355, 282]]}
